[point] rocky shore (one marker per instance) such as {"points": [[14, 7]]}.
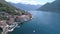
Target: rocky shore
{"points": [[12, 21]]}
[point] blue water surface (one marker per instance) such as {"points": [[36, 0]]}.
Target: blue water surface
{"points": [[42, 23]]}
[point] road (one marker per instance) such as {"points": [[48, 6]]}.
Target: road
{"points": [[5, 30]]}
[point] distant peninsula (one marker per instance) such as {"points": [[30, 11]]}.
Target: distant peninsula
{"points": [[54, 6], [10, 17]]}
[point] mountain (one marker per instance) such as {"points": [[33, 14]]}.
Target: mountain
{"points": [[54, 6], [25, 6], [9, 15], [6, 8]]}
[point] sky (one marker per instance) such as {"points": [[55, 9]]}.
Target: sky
{"points": [[32, 2]]}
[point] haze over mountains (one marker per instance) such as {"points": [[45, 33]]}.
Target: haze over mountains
{"points": [[25, 6], [54, 6]]}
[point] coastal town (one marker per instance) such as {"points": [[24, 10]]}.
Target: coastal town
{"points": [[10, 22], [11, 17]]}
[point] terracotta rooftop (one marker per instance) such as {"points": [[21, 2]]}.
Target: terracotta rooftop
{"points": [[3, 23]]}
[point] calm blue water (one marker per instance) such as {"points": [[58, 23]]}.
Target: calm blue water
{"points": [[42, 23]]}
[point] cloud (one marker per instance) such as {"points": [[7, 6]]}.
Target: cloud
{"points": [[35, 2], [31, 2]]}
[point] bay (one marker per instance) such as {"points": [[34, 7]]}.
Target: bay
{"points": [[43, 22]]}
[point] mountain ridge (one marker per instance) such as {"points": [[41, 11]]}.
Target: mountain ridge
{"points": [[54, 6], [25, 6], [11, 17]]}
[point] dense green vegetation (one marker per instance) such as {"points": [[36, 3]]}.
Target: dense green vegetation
{"points": [[5, 7], [7, 11]]}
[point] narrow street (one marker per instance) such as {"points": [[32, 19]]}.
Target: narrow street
{"points": [[10, 28], [5, 30]]}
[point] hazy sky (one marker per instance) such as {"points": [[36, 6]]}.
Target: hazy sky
{"points": [[35, 2]]}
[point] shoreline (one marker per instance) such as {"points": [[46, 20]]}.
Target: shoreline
{"points": [[13, 26], [14, 20]]}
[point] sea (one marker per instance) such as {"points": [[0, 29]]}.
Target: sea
{"points": [[43, 22]]}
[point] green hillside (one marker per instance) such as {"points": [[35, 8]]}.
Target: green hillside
{"points": [[7, 8], [4, 6], [54, 6]]}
